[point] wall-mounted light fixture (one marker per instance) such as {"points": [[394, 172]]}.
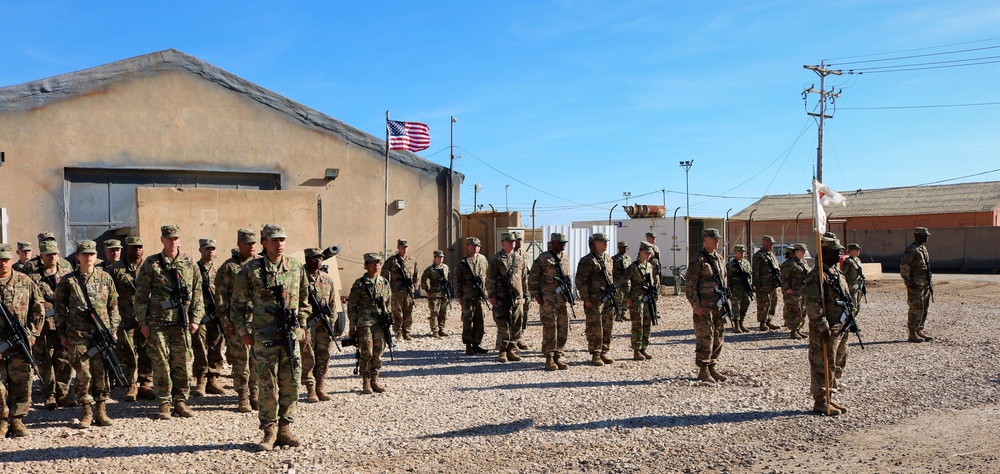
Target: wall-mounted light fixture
{"points": [[400, 204], [332, 173]]}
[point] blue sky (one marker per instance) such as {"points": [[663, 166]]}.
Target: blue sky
{"points": [[580, 101]]}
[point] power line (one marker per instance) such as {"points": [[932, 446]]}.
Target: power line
{"points": [[960, 177], [921, 68], [918, 56], [934, 63], [519, 181], [915, 49], [919, 106]]}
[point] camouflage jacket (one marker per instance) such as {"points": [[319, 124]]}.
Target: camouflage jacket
{"points": [[914, 267], [124, 275], [654, 261], [765, 267], [34, 263], [397, 269], [72, 319], [322, 288], [505, 278], [252, 289], [851, 268], [362, 306], [208, 274], [636, 280], [225, 278], [542, 279], [153, 297], [823, 311], [21, 297], [524, 283], [465, 275], [432, 281], [589, 282], [21, 267], [47, 283], [701, 285], [737, 271], [620, 261], [793, 276]]}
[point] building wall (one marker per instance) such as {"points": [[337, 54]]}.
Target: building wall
{"points": [[176, 120]]}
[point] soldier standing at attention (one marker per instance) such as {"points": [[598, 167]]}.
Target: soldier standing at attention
{"points": [[654, 260], [207, 342], [766, 280], [636, 285], [239, 355], [24, 251], [21, 298], [168, 308], [275, 286], [741, 284], [552, 301], [87, 290], [112, 253], [35, 263], [701, 288], [436, 281], [915, 268], [793, 285], [851, 268], [131, 344], [470, 290], [596, 287], [51, 357], [827, 344], [518, 243], [365, 303], [315, 347], [620, 262], [401, 271], [504, 279]]}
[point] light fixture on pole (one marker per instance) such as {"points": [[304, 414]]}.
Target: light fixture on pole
{"points": [[687, 186], [627, 194], [475, 195], [506, 205]]}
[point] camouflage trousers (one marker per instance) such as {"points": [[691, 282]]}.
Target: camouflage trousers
{"points": [[473, 325], [131, 348], [524, 315], [402, 312], [315, 350], [53, 364], [642, 324], [741, 304], [918, 300], [600, 322], [240, 357], [206, 347], [278, 383], [92, 382], [169, 351], [509, 326], [709, 334], [554, 313], [835, 355], [15, 387], [620, 296], [371, 344], [767, 303], [439, 313], [792, 311], [858, 299]]}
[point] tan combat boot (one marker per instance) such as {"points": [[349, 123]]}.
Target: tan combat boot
{"points": [[242, 401], [550, 363], [522, 346], [406, 336], [822, 408], [512, 356], [742, 327], [763, 327], [636, 355], [146, 392], [704, 376], [164, 413], [435, 334], [50, 403], [914, 337], [645, 354], [181, 409], [86, 418], [320, 393], [921, 333], [596, 361], [502, 357], [101, 414], [254, 399], [559, 363], [311, 394], [837, 405], [270, 436], [772, 326], [376, 387], [131, 393], [607, 360], [285, 435], [366, 385], [442, 333], [213, 387], [716, 375], [199, 387], [17, 428], [3, 428]]}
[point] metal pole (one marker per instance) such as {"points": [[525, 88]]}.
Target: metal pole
{"points": [[797, 226], [674, 248], [533, 233], [506, 203], [687, 186], [725, 232], [609, 213], [451, 191]]}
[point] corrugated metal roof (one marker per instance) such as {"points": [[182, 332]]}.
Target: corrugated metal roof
{"points": [[904, 201]]}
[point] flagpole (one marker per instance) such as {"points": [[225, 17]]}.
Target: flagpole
{"points": [[817, 208], [385, 209]]}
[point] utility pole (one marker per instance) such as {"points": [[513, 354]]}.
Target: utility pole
{"points": [[451, 191], [824, 95]]}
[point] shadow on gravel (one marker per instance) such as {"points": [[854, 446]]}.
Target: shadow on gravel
{"points": [[668, 421], [565, 384], [77, 452], [485, 430]]}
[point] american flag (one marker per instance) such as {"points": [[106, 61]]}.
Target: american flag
{"points": [[411, 136]]}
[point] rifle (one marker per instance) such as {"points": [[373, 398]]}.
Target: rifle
{"points": [[848, 318], [723, 291], [180, 294], [284, 321], [209, 296], [321, 314], [650, 297], [565, 286], [104, 341], [477, 283], [384, 317], [507, 301], [445, 284], [608, 290], [17, 339], [863, 286], [407, 279], [744, 278]]}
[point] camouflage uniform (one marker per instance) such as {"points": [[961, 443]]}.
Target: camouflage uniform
{"points": [[654, 262], [504, 278], [398, 270], [315, 347], [554, 310], [466, 273], [363, 310], [635, 284], [620, 262], [206, 344], [700, 288], [824, 315], [593, 275], [23, 300], [239, 355], [793, 282], [851, 268], [766, 282], [526, 305], [52, 359], [169, 343], [20, 266], [741, 284], [278, 372], [914, 267], [131, 343], [433, 282]]}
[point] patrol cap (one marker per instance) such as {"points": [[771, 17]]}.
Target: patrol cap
{"points": [[273, 231], [86, 246], [832, 244], [48, 247], [313, 252], [517, 235], [402, 243], [711, 232], [853, 246], [921, 231], [22, 245], [739, 248], [170, 231], [767, 238], [47, 235], [558, 237], [6, 251], [438, 253], [372, 257], [623, 244], [472, 241], [507, 237], [600, 237], [133, 240], [651, 234], [646, 247], [112, 244], [830, 234], [246, 236], [202, 243], [801, 247]]}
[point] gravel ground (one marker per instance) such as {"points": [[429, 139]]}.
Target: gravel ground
{"points": [[929, 407]]}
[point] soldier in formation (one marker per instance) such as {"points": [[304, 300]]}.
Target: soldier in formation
{"points": [[855, 275], [435, 281], [50, 355], [112, 253], [401, 271], [793, 284], [24, 252], [519, 250], [169, 308], [915, 268], [654, 260], [22, 302], [766, 281], [131, 343], [637, 284], [239, 355], [827, 340], [269, 306], [549, 283], [470, 290], [594, 282], [505, 277], [620, 262], [741, 284], [207, 343], [705, 277], [365, 306], [87, 293], [315, 347]]}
